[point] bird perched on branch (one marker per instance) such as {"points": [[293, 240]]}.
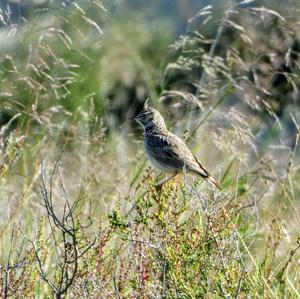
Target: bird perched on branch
{"points": [[166, 151]]}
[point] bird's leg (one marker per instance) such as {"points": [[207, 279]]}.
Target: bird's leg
{"points": [[159, 185]]}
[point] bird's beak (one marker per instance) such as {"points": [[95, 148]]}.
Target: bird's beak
{"points": [[138, 120]]}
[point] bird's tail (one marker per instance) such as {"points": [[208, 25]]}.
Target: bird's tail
{"points": [[205, 174], [213, 181]]}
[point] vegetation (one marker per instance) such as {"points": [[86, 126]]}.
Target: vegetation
{"points": [[81, 216]]}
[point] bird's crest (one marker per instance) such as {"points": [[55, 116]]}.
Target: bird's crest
{"points": [[146, 104]]}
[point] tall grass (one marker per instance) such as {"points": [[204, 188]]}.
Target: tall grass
{"points": [[80, 214]]}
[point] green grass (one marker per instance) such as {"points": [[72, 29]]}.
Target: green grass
{"points": [[80, 214]]}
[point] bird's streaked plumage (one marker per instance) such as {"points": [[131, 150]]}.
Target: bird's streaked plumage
{"points": [[166, 151]]}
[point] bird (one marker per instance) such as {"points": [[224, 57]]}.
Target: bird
{"points": [[165, 150]]}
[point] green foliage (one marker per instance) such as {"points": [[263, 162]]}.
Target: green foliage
{"points": [[116, 220], [102, 228]]}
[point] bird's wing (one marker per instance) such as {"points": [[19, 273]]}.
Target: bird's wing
{"points": [[165, 149], [190, 160], [171, 151]]}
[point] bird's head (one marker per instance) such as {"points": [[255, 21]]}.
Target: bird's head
{"points": [[150, 117]]}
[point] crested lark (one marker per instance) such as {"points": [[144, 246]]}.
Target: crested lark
{"points": [[166, 151]]}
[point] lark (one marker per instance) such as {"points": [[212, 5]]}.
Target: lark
{"points": [[166, 151]]}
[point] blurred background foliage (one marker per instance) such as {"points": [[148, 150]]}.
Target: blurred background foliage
{"points": [[59, 53]]}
